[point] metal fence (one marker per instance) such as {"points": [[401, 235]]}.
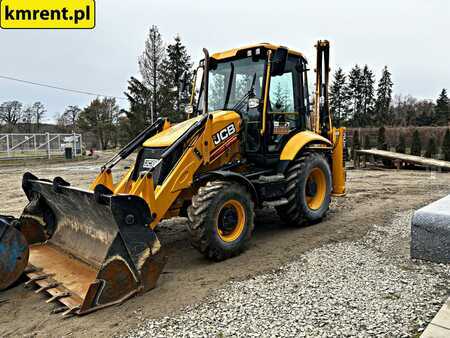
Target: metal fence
{"points": [[39, 145]]}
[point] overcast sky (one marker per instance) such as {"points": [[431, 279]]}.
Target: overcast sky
{"points": [[410, 36]]}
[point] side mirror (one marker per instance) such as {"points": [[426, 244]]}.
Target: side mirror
{"points": [[253, 103], [279, 61], [189, 110]]}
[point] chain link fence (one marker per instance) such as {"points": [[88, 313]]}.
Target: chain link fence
{"points": [[47, 145]]}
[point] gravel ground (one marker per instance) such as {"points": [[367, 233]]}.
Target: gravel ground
{"points": [[364, 288]]}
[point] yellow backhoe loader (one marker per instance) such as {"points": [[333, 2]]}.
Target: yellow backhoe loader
{"points": [[251, 140]]}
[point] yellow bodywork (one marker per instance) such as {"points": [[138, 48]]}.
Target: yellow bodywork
{"points": [[338, 162], [298, 141], [202, 154], [199, 153]]}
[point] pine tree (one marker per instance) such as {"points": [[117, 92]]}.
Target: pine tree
{"points": [[150, 63], [339, 98], [384, 97], [140, 99], [280, 99], [367, 144], [446, 146], [356, 143], [368, 97], [401, 146], [355, 90], [381, 139], [173, 66], [431, 148], [442, 109], [416, 145]]}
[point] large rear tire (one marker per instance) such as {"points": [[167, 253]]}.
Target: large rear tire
{"points": [[221, 219], [308, 190]]}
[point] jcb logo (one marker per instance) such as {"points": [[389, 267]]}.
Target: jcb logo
{"points": [[224, 134]]}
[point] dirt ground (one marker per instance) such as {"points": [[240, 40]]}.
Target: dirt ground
{"points": [[373, 196]]}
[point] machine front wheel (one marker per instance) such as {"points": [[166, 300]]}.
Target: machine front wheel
{"points": [[221, 219], [14, 252]]}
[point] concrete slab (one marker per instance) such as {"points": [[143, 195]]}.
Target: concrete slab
{"points": [[443, 316], [433, 331], [440, 325], [430, 232]]}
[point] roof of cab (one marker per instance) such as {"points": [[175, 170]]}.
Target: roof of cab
{"points": [[232, 52]]}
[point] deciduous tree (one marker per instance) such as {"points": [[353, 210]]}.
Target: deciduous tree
{"points": [[38, 113], [10, 114], [100, 117]]}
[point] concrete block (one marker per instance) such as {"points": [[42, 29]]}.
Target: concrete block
{"points": [[430, 232]]}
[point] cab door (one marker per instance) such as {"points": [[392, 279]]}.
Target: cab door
{"points": [[287, 110]]}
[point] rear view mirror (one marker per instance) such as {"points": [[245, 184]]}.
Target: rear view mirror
{"points": [[253, 103], [279, 61]]}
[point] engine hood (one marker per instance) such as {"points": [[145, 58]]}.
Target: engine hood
{"points": [[168, 136]]}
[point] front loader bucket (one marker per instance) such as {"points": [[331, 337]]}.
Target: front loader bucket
{"points": [[100, 250]]}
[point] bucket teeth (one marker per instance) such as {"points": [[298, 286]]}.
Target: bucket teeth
{"points": [[47, 287], [38, 277], [59, 310], [71, 311], [30, 269], [58, 296]]}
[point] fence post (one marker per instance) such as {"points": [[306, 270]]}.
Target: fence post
{"points": [[7, 146], [48, 146], [74, 139], [81, 145]]}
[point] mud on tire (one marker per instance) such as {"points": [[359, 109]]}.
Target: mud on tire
{"points": [[221, 219]]}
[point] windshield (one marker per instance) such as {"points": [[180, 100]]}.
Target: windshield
{"points": [[231, 80]]}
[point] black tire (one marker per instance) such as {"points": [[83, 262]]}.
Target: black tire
{"points": [[302, 208], [211, 207]]}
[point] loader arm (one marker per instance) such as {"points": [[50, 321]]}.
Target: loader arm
{"points": [[161, 198]]}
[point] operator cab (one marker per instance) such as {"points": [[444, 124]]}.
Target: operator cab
{"points": [[267, 86]]}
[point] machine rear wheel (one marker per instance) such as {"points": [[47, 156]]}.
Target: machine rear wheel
{"points": [[308, 190], [221, 219]]}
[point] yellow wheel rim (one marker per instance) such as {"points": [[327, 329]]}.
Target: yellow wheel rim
{"points": [[230, 221], [316, 188]]}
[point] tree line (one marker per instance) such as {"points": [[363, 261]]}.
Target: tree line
{"points": [[357, 99], [156, 95], [355, 102], [17, 117]]}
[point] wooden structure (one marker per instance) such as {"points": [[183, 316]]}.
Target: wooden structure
{"points": [[398, 160]]}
